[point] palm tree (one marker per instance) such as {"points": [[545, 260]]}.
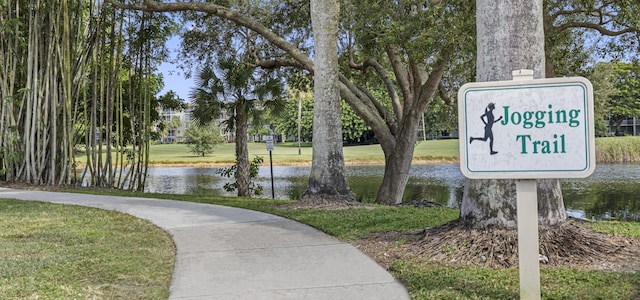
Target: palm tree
{"points": [[246, 95]]}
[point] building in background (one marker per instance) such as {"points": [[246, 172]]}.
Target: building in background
{"points": [[172, 133]]}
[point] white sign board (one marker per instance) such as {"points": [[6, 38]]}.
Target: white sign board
{"points": [[269, 139], [527, 129]]}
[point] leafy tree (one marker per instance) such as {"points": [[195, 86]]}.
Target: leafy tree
{"points": [[203, 139], [626, 102], [245, 95], [287, 124], [355, 130], [75, 73], [602, 77], [171, 100], [613, 26], [442, 117], [258, 131], [406, 46]]}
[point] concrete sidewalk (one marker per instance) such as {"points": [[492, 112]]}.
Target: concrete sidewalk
{"points": [[232, 253]]}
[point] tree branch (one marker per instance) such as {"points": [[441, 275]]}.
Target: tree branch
{"points": [[277, 63], [444, 93], [402, 76], [395, 99], [225, 13], [429, 88], [597, 27], [365, 108], [388, 118]]}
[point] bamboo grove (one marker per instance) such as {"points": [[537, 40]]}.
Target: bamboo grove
{"points": [[76, 93]]}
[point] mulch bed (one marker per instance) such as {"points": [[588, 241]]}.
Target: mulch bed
{"points": [[568, 245]]}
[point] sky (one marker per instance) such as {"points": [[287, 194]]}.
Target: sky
{"points": [[173, 76]]}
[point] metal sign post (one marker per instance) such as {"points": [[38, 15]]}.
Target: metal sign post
{"points": [[269, 141], [527, 129]]}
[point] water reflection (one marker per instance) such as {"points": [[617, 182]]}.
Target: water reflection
{"points": [[612, 192]]}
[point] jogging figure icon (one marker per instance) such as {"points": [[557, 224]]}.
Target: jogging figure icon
{"points": [[488, 127]]}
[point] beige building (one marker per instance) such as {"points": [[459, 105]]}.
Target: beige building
{"points": [[174, 134]]}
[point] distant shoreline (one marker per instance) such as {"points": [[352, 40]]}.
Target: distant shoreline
{"points": [[369, 162]]}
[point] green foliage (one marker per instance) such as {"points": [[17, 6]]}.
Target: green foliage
{"points": [[171, 100], [287, 123], [203, 139], [236, 87], [616, 88], [605, 29], [626, 102], [258, 131], [601, 76], [441, 117], [354, 129], [230, 172], [418, 28], [247, 95]]}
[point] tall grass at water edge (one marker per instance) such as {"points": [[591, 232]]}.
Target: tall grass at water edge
{"points": [[618, 149]]}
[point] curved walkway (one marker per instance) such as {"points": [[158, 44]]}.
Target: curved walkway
{"points": [[232, 253]]}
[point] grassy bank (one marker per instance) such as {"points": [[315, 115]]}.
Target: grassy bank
{"points": [[618, 149], [608, 150], [287, 154], [51, 251]]}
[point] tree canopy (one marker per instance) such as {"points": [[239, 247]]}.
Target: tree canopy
{"points": [[203, 139]]}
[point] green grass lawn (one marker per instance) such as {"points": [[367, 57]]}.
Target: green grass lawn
{"points": [[613, 149], [287, 153], [52, 251], [433, 280]]}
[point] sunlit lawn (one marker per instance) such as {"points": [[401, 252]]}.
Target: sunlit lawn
{"points": [[288, 153], [52, 251]]}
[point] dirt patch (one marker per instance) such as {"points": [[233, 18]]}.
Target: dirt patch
{"points": [[566, 245], [323, 203]]}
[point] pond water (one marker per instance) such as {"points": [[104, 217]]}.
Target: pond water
{"points": [[612, 192]]}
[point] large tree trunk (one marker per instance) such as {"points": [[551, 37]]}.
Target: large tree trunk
{"points": [[396, 172], [242, 153], [397, 158], [510, 37], [327, 181]]}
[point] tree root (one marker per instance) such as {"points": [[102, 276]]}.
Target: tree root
{"points": [[322, 201], [566, 244]]}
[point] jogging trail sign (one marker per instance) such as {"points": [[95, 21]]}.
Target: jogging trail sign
{"points": [[527, 129]]}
